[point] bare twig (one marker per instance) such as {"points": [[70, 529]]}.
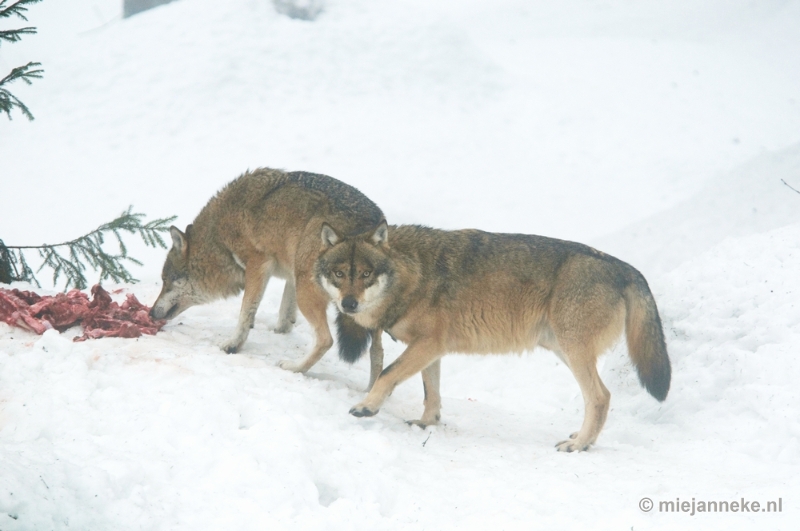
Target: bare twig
{"points": [[787, 184], [426, 440]]}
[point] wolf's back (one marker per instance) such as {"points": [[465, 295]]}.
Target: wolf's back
{"points": [[646, 345], [313, 194], [343, 198]]}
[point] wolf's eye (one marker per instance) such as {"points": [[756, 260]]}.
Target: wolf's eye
{"points": [[367, 273], [338, 274]]}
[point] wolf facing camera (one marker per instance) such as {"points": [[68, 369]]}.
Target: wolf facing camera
{"points": [[471, 291]]}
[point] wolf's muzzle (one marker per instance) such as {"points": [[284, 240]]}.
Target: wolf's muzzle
{"points": [[349, 304], [168, 315]]}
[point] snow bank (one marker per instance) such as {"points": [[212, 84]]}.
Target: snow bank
{"points": [[750, 199], [167, 432], [733, 316]]}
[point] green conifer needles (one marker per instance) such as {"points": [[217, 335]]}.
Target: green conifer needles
{"points": [[71, 259], [27, 73]]}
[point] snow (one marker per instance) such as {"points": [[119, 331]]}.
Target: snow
{"points": [[658, 132]]}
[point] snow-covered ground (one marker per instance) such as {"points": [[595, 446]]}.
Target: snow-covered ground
{"points": [[657, 131]]}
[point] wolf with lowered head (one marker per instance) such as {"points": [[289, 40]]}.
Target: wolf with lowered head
{"points": [[265, 223], [470, 291]]}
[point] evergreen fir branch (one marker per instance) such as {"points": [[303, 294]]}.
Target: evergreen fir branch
{"points": [[7, 100], [15, 35], [7, 103], [27, 272], [13, 267], [7, 271], [72, 270], [70, 260], [24, 73], [18, 8]]}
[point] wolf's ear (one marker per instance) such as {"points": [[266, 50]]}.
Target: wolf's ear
{"points": [[381, 235], [179, 240], [329, 236]]}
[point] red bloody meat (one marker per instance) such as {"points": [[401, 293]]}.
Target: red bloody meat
{"points": [[100, 316]]}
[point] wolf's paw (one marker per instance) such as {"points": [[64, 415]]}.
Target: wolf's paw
{"points": [[290, 365], [284, 327], [572, 445], [424, 423], [230, 348], [361, 410]]}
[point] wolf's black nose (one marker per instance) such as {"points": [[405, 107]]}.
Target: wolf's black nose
{"points": [[349, 303]]}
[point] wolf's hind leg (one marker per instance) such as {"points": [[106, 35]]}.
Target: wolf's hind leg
{"points": [[287, 315], [415, 358], [256, 277], [313, 303], [433, 400], [596, 399]]}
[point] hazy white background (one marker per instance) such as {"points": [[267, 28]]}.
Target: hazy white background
{"points": [[657, 131]]}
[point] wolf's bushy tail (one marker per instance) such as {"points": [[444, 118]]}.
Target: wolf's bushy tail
{"points": [[353, 338], [646, 345]]}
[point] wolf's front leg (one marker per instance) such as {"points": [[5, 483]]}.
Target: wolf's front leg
{"points": [[416, 357], [313, 303], [375, 357], [256, 276]]}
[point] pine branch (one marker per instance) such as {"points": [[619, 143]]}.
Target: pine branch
{"points": [[71, 259], [26, 73], [15, 35], [13, 267], [7, 271], [7, 100], [17, 8]]}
